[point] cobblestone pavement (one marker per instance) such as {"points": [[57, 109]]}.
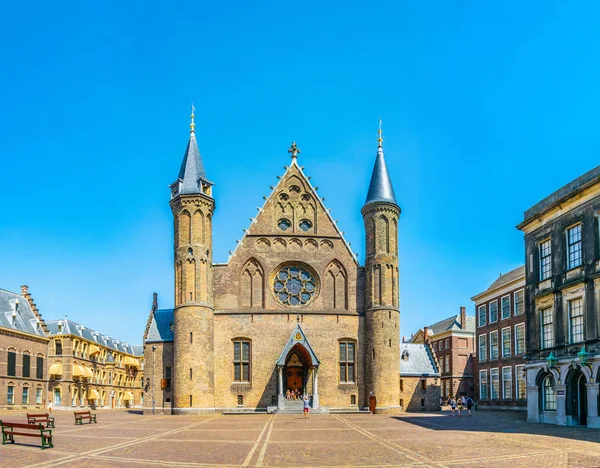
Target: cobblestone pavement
{"points": [[488, 439]]}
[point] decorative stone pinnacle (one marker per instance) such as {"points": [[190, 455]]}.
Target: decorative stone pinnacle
{"points": [[294, 150]]}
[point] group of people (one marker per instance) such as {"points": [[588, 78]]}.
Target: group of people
{"points": [[293, 394], [458, 404]]}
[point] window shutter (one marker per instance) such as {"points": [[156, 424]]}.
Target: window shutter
{"points": [[26, 365], [39, 374]]}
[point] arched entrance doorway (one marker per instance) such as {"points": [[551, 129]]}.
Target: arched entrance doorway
{"points": [[296, 369], [577, 397]]}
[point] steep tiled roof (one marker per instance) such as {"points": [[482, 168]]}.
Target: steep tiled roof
{"points": [[452, 323], [24, 319], [160, 326], [68, 327], [417, 360]]}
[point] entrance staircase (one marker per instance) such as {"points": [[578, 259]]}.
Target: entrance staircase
{"points": [[296, 407]]}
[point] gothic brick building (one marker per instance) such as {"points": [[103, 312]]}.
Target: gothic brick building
{"points": [[292, 309]]}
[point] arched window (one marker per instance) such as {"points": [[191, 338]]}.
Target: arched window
{"points": [[383, 234], [548, 395], [190, 280], [336, 284]]}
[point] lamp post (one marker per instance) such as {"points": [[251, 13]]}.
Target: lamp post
{"points": [[153, 378], [551, 360], [583, 356]]}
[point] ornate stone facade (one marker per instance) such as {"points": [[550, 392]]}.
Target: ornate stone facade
{"points": [[292, 311]]}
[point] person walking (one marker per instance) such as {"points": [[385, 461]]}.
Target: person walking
{"points": [[452, 404], [469, 405], [306, 408]]}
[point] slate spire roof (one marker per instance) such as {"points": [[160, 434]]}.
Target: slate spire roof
{"points": [[380, 188], [192, 174]]}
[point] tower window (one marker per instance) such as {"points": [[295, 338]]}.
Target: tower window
{"points": [[347, 362], [190, 401], [284, 224], [390, 343], [191, 337], [240, 399], [190, 373]]}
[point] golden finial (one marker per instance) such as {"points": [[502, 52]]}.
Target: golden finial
{"points": [[379, 137], [192, 124], [294, 150]]}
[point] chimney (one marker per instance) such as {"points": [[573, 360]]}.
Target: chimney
{"points": [[403, 339], [463, 317], [425, 333], [154, 302]]}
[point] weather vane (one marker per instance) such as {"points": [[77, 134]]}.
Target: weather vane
{"points": [[379, 137]]}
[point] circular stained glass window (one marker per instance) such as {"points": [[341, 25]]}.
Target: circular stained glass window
{"points": [[284, 224], [294, 285]]}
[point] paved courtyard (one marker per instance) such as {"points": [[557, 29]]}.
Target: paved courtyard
{"points": [[488, 439]]}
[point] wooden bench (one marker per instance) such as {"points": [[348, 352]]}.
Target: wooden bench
{"points": [[41, 417], [27, 430], [81, 415]]}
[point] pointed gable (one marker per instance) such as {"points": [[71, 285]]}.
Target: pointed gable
{"points": [[294, 208], [297, 338]]}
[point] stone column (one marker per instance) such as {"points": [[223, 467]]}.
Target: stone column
{"points": [[280, 398], [315, 388], [533, 404], [593, 419], [561, 408]]}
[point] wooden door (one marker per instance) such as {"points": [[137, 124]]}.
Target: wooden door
{"points": [[294, 378]]}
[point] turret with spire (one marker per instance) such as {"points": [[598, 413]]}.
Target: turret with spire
{"points": [[382, 317], [192, 205], [192, 178]]}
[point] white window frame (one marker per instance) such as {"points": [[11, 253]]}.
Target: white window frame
{"points": [[502, 317], [518, 373], [509, 342], [441, 346], [569, 318], [496, 371], [516, 352], [569, 267], [447, 365], [484, 307], [491, 358], [479, 357], [542, 276], [495, 301], [522, 291], [484, 373], [509, 397], [542, 329]]}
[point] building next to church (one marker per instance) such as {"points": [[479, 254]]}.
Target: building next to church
{"points": [[499, 364], [292, 309], [23, 352], [562, 297], [89, 369], [453, 342], [419, 378], [62, 362]]}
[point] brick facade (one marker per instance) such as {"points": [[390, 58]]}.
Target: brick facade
{"points": [[232, 322], [500, 349]]}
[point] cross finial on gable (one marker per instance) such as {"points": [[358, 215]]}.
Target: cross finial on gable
{"points": [[294, 150]]}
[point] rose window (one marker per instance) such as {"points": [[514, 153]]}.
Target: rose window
{"points": [[294, 285]]}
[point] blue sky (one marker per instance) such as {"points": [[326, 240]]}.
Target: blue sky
{"points": [[487, 108]]}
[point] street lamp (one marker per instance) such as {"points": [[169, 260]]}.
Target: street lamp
{"points": [[551, 360], [153, 378], [583, 356]]}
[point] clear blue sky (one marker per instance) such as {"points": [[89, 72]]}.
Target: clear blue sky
{"points": [[486, 109]]}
